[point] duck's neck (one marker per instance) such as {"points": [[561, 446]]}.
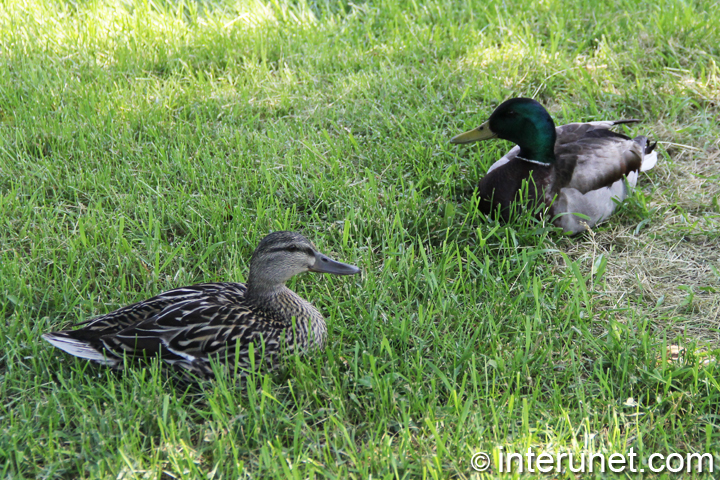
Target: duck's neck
{"points": [[264, 295], [539, 147], [276, 299], [283, 305]]}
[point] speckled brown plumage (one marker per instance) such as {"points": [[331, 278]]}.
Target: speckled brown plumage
{"points": [[188, 326]]}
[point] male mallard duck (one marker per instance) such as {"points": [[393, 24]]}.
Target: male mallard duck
{"points": [[579, 165], [189, 325]]}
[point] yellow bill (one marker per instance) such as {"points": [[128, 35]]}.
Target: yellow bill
{"points": [[482, 132]]}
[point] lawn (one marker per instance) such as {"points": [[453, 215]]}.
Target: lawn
{"points": [[146, 145]]}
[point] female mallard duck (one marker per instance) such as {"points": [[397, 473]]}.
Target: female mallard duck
{"points": [[577, 168], [187, 326]]}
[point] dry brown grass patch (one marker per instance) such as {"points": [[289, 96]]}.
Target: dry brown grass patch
{"points": [[669, 270]]}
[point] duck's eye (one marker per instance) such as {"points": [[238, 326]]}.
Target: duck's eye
{"points": [[511, 113], [292, 248]]}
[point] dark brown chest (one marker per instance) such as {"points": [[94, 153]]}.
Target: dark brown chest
{"points": [[516, 181]]}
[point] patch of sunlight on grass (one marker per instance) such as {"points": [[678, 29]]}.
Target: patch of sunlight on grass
{"points": [[257, 14], [510, 59], [63, 28], [687, 83], [508, 52]]}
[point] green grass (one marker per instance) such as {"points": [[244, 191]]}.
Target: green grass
{"points": [[148, 145]]}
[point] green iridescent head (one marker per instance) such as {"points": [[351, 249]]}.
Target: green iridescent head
{"points": [[524, 122]]}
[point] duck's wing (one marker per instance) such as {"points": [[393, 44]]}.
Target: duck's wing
{"points": [[139, 312], [593, 164], [591, 156], [106, 338], [188, 335], [197, 328]]}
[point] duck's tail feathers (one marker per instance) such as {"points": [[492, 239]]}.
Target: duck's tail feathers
{"points": [[78, 348], [650, 158], [629, 120], [632, 178]]}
